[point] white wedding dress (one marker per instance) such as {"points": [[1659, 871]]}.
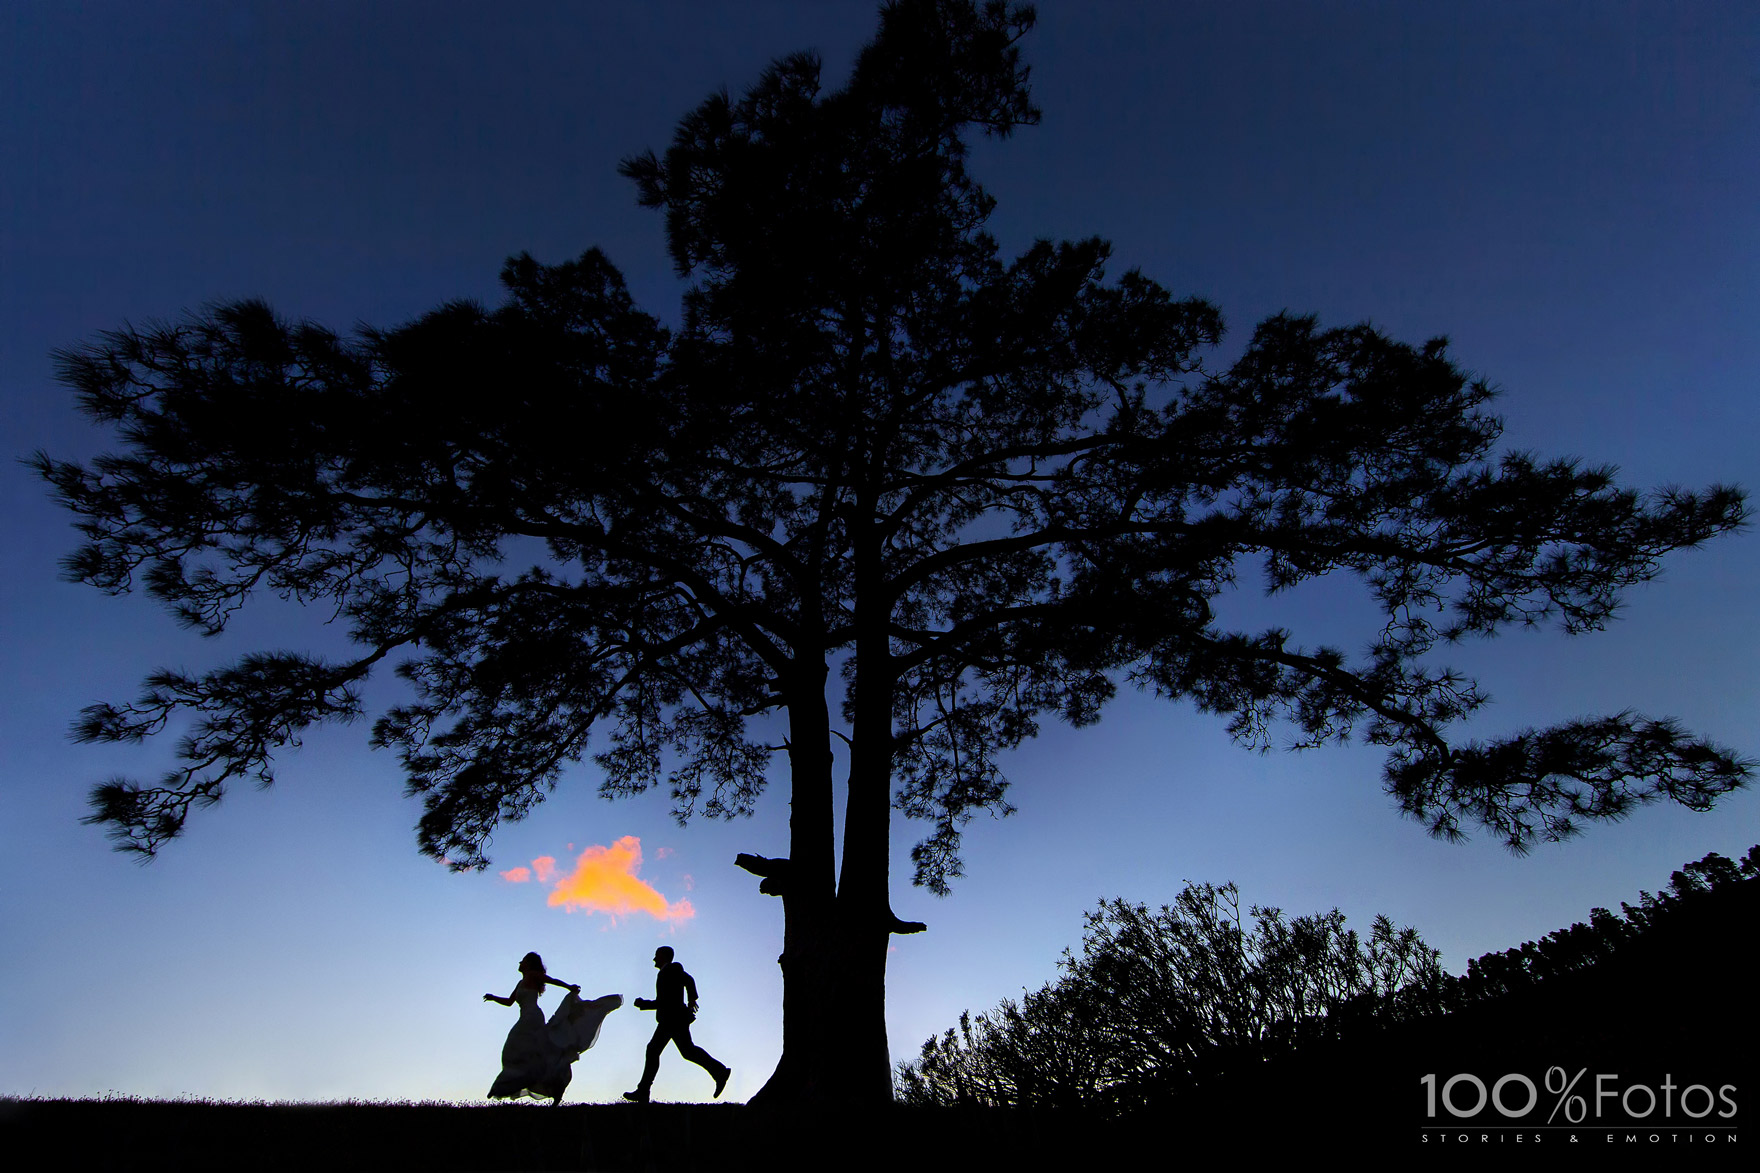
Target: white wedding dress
{"points": [[537, 1058]]}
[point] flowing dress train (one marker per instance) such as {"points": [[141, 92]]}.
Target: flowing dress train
{"points": [[537, 1058]]}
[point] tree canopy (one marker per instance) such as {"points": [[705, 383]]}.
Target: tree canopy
{"points": [[963, 492]]}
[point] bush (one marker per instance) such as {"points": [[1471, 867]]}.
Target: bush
{"points": [[1160, 1001]]}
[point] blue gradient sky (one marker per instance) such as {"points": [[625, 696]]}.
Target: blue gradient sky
{"points": [[1566, 190]]}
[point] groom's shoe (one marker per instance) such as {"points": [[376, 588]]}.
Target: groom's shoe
{"points": [[721, 1081], [639, 1096]]}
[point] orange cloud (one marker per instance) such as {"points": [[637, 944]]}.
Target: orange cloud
{"points": [[605, 880], [517, 875]]}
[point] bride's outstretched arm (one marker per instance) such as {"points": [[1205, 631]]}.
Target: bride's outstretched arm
{"points": [[507, 1001], [565, 985]]}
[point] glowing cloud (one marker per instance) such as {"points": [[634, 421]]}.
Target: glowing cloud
{"points": [[604, 879]]}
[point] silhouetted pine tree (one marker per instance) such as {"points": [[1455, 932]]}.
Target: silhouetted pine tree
{"points": [[983, 490]]}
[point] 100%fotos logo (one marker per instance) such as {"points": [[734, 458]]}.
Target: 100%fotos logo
{"points": [[1514, 1096]]}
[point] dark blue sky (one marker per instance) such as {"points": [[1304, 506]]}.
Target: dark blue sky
{"points": [[1566, 190]]}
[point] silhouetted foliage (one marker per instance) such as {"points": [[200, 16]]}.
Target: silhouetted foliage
{"points": [[987, 490], [1607, 935], [1191, 997], [1160, 1001]]}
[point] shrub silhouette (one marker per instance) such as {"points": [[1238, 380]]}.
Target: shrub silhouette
{"points": [[1159, 1001], [1197, 996]]}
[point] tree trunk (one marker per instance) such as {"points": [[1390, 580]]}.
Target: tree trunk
{"points": [[809, 987], [864, 905], [864, 910], [834, 953]]}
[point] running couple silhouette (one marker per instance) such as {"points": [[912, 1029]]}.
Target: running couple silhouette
{"points": [[538, 1058]]}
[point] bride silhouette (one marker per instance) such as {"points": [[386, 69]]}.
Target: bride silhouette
{"points": [[537, 1059]]}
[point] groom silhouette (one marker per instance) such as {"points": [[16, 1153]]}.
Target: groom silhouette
{"points": [[673, 1025]]}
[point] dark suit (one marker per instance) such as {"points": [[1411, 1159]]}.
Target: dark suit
{"points": [[673, 1024]]}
